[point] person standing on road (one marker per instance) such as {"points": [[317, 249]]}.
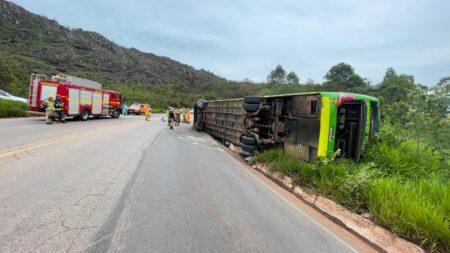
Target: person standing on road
{"points": [[188, 115], [59, 109], [170, 117], [183, 114], [49, 108], [146, 112], [124, 110], [177, 116]]}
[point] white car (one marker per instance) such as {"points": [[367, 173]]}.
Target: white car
{"points": [[6, 95]]}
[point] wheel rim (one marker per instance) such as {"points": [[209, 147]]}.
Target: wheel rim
{"points": [[84, 115]]}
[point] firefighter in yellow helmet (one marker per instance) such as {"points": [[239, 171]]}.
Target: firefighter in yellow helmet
{"points": [[49, 106]]}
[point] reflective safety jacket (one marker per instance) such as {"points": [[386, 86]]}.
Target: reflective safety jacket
{"points": [[48, 105]]}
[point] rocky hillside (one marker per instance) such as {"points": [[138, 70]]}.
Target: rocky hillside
{"points": [[87, 54]]}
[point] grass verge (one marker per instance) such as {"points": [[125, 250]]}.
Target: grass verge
{"points": [[9, 108], [412, 201]]}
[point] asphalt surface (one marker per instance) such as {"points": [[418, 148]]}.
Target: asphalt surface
{"points": [[128, 185]]}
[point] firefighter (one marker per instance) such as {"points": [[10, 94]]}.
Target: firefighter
{"points": [[146, 112], [59, 109], [170, 117], [188, 115], [49, 108], [177, 116], [183, 115]]}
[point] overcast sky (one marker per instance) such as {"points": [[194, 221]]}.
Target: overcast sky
{"points": [[240, 39]]}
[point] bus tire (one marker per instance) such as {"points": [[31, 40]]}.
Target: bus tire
{"points": [[84, 115], [250, 107], [253, 99], [248, 149], [249, 141]]}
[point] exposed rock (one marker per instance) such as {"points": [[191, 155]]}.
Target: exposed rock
{"points": [[78, 51]]}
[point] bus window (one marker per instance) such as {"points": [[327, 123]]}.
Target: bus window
{"points": [[313, 107]]}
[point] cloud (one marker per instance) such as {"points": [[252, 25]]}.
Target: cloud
{"points": [[246, 39]]}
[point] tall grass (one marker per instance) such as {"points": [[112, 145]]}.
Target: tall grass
{"points": [[412, 201], [417, 210], [9, 108]]}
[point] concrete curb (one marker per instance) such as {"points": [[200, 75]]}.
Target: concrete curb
{"points": [[366, 229]]}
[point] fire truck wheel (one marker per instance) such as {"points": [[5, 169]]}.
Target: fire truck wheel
{"points": [[84, 115], [115, 114]]}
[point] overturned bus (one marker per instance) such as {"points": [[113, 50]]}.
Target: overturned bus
{"points": [[305, 125]]}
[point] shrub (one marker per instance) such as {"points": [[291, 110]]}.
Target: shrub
{"points": [[9, 108], [158, 110]]}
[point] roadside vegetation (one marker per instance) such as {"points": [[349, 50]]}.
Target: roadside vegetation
{"points": [[10, 108], [402, 183]]}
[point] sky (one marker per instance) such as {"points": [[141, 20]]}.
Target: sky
{"points": [[240, 39]]}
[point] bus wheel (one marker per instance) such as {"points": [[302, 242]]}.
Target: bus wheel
{"points": [[250, 141], [115, 114], [250, 107], [84, 115], [253, 99], [248, 149]]}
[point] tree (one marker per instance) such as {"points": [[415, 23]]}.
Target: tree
{"points": [[343, 76], [395, 87], [310, 81], [444, 83], [277, 76], [292, 78], [390, 72]]}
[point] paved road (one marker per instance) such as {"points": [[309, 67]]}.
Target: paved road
{"points": [[128, 185]]}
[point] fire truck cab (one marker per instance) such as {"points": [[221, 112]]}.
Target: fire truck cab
{"points": [[81, 97]]}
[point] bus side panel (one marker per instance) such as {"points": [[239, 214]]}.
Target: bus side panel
{"points": [[302, 126], [333, 123], [324, 127], [224, 120]]}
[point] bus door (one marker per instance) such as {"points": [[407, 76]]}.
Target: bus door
{"points": [[351, 121]]}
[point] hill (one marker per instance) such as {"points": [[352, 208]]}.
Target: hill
{"points": [[43, 45]]}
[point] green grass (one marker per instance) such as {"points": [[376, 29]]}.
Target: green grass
{"points": [[417, 210], [159, 110], [10, 108], [403, 187]]}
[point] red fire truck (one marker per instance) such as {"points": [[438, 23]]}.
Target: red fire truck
{"points": [[81, 97]]}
